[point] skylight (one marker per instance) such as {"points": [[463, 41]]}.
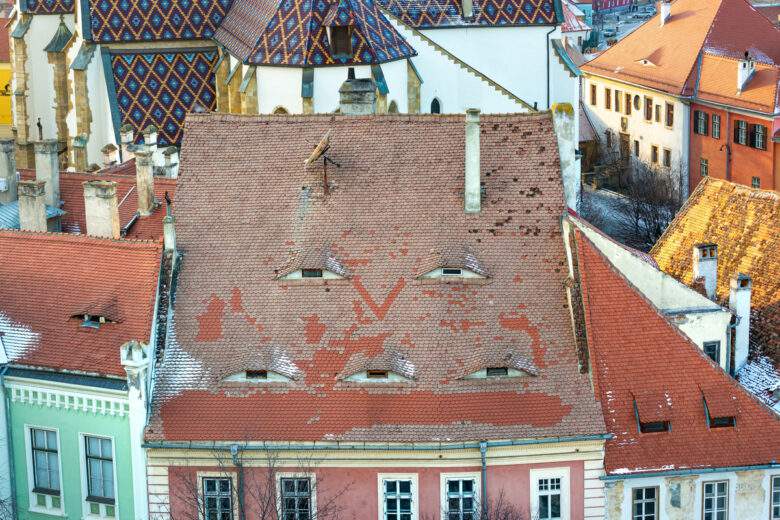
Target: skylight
{"points": [[450, 273], [376, 376], [256, 376], [497, 373]]}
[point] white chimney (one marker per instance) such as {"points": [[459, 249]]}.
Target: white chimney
{"points": [[563, 122], [665, 10], [741, 287], [8, 179], [47, 169], [144, 179], [745, 69], [171, 167], [32, 206], [150, 138], [705, 265], [101, 209], [127, 136], [357, 97], [109, 155], [473, 190]]}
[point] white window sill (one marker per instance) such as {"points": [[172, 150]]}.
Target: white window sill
{"points": [[47, 511]]}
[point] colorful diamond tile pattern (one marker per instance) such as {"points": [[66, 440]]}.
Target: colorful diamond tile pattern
{"points": [[444, 13], [150, 20], [160, 88], [50, 6], [296, 34]]}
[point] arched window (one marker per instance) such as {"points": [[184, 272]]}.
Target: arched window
{"points": [[280, 110], [393, 108], [435, 106]]}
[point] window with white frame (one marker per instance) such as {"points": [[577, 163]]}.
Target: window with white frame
{"points": [[398, 497], [460, 498], [716, 500], [775, 512], [100, 469], [295, 498], [217, 498], [550, 494], [644, 503]]}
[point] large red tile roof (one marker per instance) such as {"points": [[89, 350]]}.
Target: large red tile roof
{"points": [[637, 355], [725, 28], [48, 279], [395, 203], [718, 84]]}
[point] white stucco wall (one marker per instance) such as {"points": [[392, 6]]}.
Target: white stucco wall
{"points": [[748, 494], [648, 133], [327, 81], [279, 87], [40, 81]]}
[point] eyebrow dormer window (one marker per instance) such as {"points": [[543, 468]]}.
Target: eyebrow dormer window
{"points": [[311, 273], [497, 371], [341, 40], [256, 374], [451, 273], [448, 271], [377, 374], [94, 322]]}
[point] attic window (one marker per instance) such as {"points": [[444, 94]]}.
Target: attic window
{"points": [[256, 374], [93, 322], [654, 427], [341, 41], [311, 273], [720, 407], [377, 374], [497, 371], [722, 422], [653, 412], [450, 271]]}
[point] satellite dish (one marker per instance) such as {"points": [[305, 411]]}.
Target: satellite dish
{"points": [[319, 150]]}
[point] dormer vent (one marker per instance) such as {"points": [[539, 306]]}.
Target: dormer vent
{"points": [[705, 266], [746, 67]]}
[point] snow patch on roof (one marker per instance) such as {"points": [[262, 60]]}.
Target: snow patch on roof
{"points": [[16, 339], [760, 377]]}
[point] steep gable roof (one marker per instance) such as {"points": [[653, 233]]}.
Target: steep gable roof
{"points": [[47, 281], [397, 194], [718, 27], [642, 364]]}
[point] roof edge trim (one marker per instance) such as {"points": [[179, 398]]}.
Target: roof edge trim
{"points": [[687, 471]]}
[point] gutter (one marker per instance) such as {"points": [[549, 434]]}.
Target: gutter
{"points": [[10, 444], [301, 446], [693, 471]]}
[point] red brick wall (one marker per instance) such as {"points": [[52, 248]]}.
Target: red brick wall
{"points": [[746, 162]]}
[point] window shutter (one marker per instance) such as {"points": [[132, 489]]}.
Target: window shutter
{"points": [[752, 136], [736, 132]]}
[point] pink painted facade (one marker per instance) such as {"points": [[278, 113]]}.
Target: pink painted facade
{"points": [[358, 493]]}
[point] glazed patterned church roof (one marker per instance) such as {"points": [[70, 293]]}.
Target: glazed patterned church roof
{"points": [[48, 6], [160, 88], [445, 13], [290, 32], [150, 20]]}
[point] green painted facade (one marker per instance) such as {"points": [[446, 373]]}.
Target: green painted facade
{"points": [[73, 411]]}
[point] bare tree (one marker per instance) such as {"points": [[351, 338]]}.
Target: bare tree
{"points": [[255, 493], [498, 508]]}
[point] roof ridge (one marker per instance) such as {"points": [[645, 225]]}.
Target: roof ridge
{"points": [[219, 116], [72, 237]]}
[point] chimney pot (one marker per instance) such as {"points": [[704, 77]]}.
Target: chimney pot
{"points": [[8, 178], [665, 10], [127, 137], [47, 169], [358, 96], [101, 209], [745, 70], [705, 265], [32, 206], [740, 291], [473, 190], [109, 155], [144, 177]]}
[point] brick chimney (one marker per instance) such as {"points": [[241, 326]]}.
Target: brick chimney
{"points": [[8, 180], [746, 67], [110, 155], [32, 206], [473, 188], [47, 169], [144, 179], [101, 209], [127, 136], [357, 96], [705, 265], [740, 289], [665, 10]]}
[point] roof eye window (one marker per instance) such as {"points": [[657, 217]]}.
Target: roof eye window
{"points": [[451, 271], [377, 374], [93, 322], [311, 273], [722, 422], [497, 372], [256, 374]]}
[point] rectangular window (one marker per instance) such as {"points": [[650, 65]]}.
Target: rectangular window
{"points": [[296, 498], [451, 271], [669, 114], [311, 273], [755, 182], [715, 126], [497, 371], [712, 349], [549, 491], [461, 503], [667, 158], [377, 374], [654, 155], [758, 136], [636, 148], [775, 498], [704, 167], [608, 98], [648, 109], [654, 427], [628, 104], [658, 113], [397, 499], [645, 503], [45, 460], [716, 500], [700, 122], [341, 40], [618, 99], [100, 470], [741, 132], [593, 95], [217, 498]]}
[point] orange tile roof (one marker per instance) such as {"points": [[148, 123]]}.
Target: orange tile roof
{"points": [[719, 27], [643, 358], [745, 224], [718, 84], [48, 279]]}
